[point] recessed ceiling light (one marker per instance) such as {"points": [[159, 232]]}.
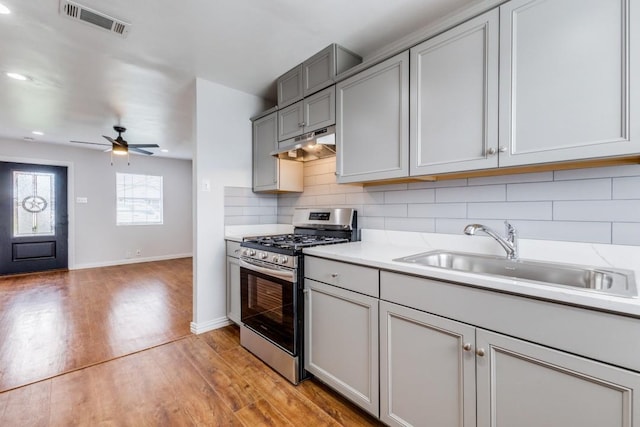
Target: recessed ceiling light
{"points": [[4, 10], [37, 132], [164, 150], [17, 76]]}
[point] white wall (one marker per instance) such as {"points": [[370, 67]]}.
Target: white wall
{"points": [[222, 157], [94, 238]]}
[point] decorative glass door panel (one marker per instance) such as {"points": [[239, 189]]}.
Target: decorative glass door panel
{"points": [[34, 204]]}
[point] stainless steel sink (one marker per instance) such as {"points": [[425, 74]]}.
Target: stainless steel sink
{"points": [[605, 280]]}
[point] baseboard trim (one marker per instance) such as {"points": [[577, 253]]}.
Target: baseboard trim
{"points": [[210, 325], [129, 261]]}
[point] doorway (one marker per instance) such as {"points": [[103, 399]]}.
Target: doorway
{"points": [[33, 218]]}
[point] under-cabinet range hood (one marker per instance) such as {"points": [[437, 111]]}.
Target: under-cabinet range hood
{"points": [[309, 146]]}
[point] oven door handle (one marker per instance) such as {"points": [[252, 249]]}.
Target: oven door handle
{"points": [[279, 273]]}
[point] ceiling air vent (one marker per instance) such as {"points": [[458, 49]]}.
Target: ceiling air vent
{"points": [[77, 11]]}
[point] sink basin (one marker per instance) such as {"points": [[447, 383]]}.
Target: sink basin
{"points": [[605, 280]]}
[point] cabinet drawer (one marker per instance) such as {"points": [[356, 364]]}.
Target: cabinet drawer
{"points": [[364, 280], [233, 249]]}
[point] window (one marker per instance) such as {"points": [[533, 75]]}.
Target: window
{"points": [[139, 199]]}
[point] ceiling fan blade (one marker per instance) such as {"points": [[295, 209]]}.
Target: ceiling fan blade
{"points": [[113, 141], [91, 143], [144, 145], [138, 150]]}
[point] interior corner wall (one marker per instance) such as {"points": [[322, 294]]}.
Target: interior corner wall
{"points": [[94, 238], [222, 157]]}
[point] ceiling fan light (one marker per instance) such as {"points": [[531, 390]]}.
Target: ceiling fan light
{"points": [[120, 151]]}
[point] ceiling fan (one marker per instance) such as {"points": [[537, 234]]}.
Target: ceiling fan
{"points": [[121, 147]]}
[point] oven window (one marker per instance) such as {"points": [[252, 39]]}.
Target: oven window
{"points": [[268, 307]]}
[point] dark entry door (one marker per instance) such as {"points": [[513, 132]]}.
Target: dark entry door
{"points": [[33, 218]]}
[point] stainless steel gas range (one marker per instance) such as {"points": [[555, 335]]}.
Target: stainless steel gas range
{"points": [[272, 285]]}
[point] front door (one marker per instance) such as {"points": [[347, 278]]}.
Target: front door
{"points": [[33, 218]]}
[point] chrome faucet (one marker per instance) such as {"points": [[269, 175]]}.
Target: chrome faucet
{"points": [[509, 243]]}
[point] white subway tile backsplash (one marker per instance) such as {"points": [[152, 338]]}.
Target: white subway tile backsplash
{"points": [[592, 189], [626, 188], [590, 173], [426, 225], [511, 210], [438, 210], [485, 193], [365, 198], [438, 184], [409, 196], [626, 233], [599, 205], [385, 210], [511, 179], [574, 231], [606, 210]]}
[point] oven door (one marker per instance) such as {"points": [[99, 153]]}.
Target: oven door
{"points": [[268, 295]]}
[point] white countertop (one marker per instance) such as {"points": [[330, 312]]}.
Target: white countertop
{"points": [[379, 248], [238, 232]]}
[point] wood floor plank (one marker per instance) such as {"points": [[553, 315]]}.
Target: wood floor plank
{"points": [[26, 406], [60, 321], [232, 388], [262, 413]]}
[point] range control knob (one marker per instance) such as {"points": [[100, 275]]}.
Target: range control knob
{"points": [[245, 252], [262, 255], [284, 260], [252, 252], [275, 259]]}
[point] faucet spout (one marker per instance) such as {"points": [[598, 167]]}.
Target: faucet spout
{"points": [[508, 243]]}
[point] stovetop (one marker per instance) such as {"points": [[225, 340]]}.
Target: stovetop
{"points": [[291, 242]]}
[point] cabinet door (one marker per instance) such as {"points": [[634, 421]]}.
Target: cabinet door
{"points": [[526, 385], [265, 140], [372, 122], [565, 71], [319, 70], [290, 121], [454, 99], [289, 87], [233, 289], [341, 342], [320, 110], [427, 375]]}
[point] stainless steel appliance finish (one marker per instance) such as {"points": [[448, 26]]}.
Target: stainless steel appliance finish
{"points": [[271, 285], [309, 146], [604, 280]]}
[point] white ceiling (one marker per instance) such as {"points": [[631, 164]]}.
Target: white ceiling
{"points": [[84, 80]]}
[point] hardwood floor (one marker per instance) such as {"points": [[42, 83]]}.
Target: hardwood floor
{"points": [[142, 366], [61, 321], [199, 380]]}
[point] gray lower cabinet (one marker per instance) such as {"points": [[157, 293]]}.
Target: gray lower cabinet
{"points": [[527, 385], [269, 173], [233, 281], [454, 99], [372, 123], [433, 370], [427, 378], [341, 342]]}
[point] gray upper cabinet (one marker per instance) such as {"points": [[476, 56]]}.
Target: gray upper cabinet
{"points": [[314, 74], [289, 87], [312, 113], [454, 99], [269, 173], [565, 71], [372, 122], [320, 70], [265, 166]]}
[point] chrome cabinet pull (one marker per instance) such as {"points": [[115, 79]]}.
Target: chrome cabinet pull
{"points": [[491, 151], [334, 275], [480, 352], [466, 347]]}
